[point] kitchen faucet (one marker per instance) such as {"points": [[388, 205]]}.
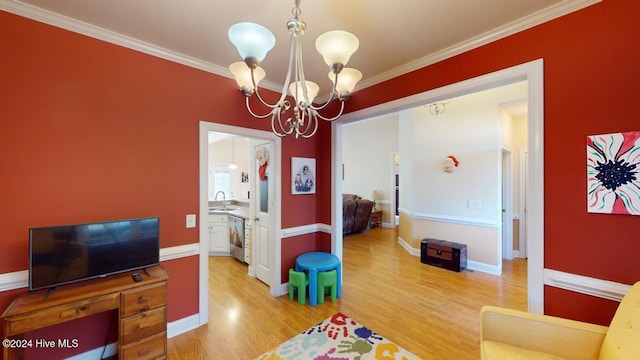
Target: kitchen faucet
{"points": [[224, 198]]}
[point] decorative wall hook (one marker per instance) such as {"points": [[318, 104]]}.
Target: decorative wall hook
{"points": [[450, 164]]}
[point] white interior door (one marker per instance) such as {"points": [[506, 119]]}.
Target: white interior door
{"points": [[524, 191], [263, 230], [507, 208]]}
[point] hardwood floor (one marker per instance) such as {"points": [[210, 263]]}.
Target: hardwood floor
{"points": [[431, 312]]}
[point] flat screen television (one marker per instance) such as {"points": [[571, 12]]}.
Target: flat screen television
{"points": [[70, 253]]}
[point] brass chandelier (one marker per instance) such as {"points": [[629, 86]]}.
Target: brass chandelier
{"points": [[253, 41]]}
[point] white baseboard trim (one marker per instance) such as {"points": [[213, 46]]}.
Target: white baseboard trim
{"points": [[97, 353], [471, 265], [411, 250], [485, 268], [20, 279], [284, 288], [183, 325], [577, 283], [586, 285], [174, 328]]}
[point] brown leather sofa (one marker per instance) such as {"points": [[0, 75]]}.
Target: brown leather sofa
{"points": [[355, 213]]}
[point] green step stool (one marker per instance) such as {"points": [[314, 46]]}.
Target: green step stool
{"points": [[298, 280], [327, 279]]}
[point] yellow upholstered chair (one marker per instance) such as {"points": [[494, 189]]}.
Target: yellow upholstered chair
{"points": [[513, 334]]}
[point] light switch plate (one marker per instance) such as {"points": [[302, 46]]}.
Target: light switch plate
{"points": [[191, 221]]}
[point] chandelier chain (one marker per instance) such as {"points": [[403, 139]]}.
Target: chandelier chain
{"points": [[296, 11]]}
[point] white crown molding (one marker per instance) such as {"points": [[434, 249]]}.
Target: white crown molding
{"points": [[35, 13], [51, 18], [535, 19]]}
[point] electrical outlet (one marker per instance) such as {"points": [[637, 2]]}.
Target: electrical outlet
{"points": [[191, 220], [474, 204]]}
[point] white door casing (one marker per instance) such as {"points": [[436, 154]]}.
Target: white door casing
{"points": [[533, 73], [274, 243]]}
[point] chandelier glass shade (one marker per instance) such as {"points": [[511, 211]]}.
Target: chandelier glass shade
{"points": [[299, 118]]}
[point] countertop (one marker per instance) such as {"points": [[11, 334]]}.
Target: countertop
{"points": [[241, 211]]}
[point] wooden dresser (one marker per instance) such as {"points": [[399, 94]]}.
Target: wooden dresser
{"points": [[141, 307]]}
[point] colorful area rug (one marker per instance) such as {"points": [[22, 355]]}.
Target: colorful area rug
{"points": [[338, 338]]}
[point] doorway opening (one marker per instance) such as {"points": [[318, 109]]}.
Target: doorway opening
{"points": [[263, 217], [532, 73]]}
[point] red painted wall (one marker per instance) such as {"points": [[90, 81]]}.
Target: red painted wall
{"points": [[591, 85], [313, 208], [91, 131]]}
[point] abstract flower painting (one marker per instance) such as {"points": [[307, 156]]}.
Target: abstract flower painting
{"points": [[613, 173]]}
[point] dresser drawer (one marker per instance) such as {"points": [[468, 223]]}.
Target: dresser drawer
{"points": [[60, 313], [153, 347], [142, 299], [142, 325]]}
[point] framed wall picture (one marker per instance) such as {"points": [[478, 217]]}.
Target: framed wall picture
{"points": [[613, 173], [303, 175]]}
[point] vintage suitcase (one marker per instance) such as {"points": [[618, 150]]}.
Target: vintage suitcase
{"points": [[444, 254]]}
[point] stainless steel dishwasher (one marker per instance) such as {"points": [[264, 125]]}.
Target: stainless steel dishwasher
{"points": [[236, 237]]}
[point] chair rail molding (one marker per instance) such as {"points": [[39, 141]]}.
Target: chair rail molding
{"points": [[586, 285], [305, 229], [20, 279]]}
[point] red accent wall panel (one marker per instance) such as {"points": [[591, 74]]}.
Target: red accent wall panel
{"points": [[576, 306], [292, 247], [91, 131], [182, 293], [86, 334], [301, 209], [295, 246]]}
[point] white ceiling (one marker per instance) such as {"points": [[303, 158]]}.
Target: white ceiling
{"points": [[395, 36]]}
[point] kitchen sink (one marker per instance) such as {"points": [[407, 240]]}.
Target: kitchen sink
{"points": [[225, 208]]}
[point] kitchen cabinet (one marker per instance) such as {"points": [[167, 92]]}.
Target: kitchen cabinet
{"points": [[218, 235]]}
